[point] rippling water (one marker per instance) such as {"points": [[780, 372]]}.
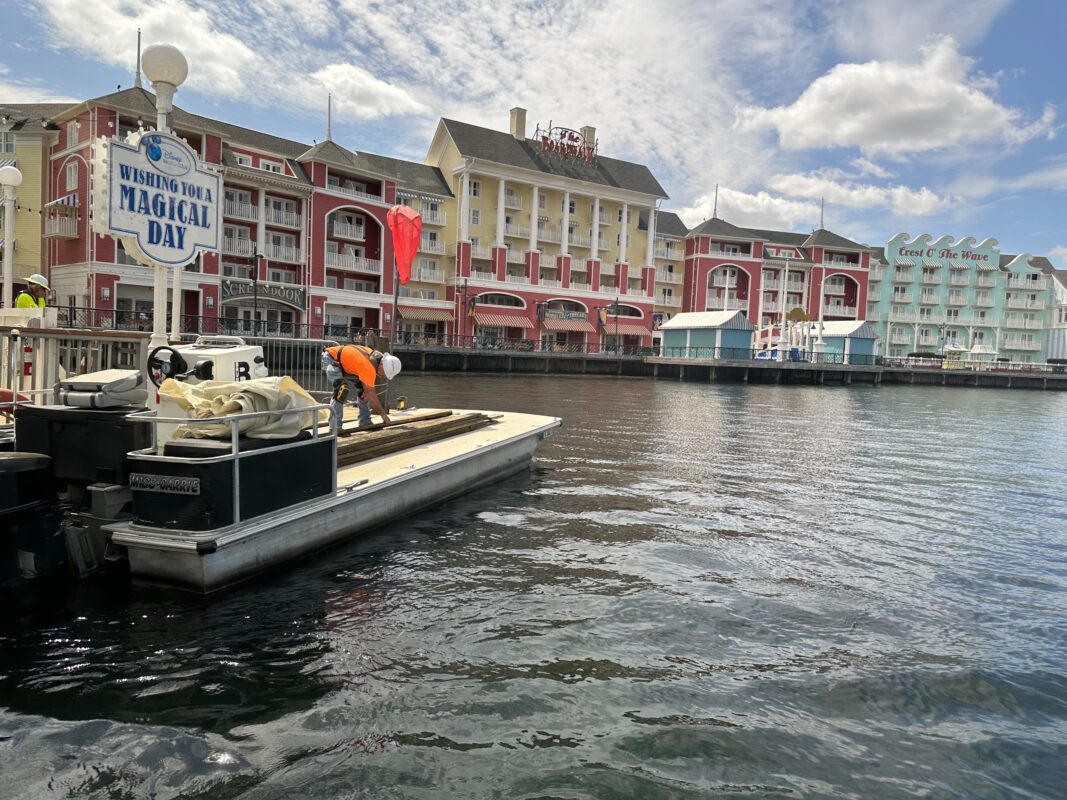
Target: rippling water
{"points": [[699, 591]]}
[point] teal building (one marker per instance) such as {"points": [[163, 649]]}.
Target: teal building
{"points": [[927, 294]]}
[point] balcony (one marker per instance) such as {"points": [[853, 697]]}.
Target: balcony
{"points": [[772, 284], [840, 311], [344, 230], [281, 252], [1023, 302], [481, 275], [903, 276], [984, 301], [907, 316], [354, 192], [282, 218], [236, 210], [481, 251], [576, 239], [930, 300], [607, 269], [670, 253], [550, 283], [520, 279], [957, 300], [900, 337], [1020, 344], [238, 247], [547, 234], [427, 245], [931, 279], [1023, 283], [986, 281], [668, 277], [516, 257], [512, 200], [517, 231], [724, 281], [353, 262], [433, 217], [580, 286], [877, 273], [903, 297], [960, 279], [430, 276], [834, 288], [605, 218], [668, 300], [58, 227]]}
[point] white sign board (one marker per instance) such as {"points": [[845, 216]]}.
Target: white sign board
{"points": [[161, 201]]}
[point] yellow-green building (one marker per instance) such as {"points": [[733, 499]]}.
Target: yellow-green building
{"points": [[26, 134]]}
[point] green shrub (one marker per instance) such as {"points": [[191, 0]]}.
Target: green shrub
{"points": [[923, 355]]}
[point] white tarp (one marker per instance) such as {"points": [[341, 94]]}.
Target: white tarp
{"points": [[223, 398]]}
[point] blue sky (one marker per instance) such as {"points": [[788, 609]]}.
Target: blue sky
{"points": [[925, 116]]}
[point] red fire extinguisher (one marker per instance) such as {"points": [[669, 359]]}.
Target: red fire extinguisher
{"points": [[27, 360]]}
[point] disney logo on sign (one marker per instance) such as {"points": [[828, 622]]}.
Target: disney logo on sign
{"points": [[167, 159]]}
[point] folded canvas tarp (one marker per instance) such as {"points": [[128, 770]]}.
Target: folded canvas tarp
{"points": [[225, 398], [109, 388]]}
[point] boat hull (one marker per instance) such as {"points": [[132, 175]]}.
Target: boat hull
{"points": [[395, 486]]}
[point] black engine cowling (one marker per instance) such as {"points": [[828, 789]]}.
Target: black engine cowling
{"points": [[31, 543]]}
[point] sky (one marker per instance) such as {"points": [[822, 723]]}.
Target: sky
{"points": [[923, 116]]}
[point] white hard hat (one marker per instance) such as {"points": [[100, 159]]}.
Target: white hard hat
{"points": [[390, 366], [38, 279]]}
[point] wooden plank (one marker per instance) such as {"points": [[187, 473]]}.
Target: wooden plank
{"points": [[405, 435], [377, 426]]}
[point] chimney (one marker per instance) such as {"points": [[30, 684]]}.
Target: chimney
{"points": [[588, 136], [518, 123]]}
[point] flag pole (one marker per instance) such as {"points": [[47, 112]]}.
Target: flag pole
{"points": [[396, 296]]}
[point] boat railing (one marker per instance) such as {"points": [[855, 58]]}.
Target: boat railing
{"points": [[154, 454]]}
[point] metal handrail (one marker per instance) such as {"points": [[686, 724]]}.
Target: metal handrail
{"points": [[235, 454]]}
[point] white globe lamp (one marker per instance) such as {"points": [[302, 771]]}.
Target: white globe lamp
{"points": [[167, 68]]}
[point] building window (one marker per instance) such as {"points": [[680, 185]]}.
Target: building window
{"points": [[243, 160], [476, 217], [7, 143], [542, 201], [401, 200], [72, 133], [238, 196], [476, 189], [72, 176], [270, 166]]}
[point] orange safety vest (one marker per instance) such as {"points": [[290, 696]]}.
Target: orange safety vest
{"points": [[357, 361]]}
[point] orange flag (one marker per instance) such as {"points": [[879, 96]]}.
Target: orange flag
{"points": [[406, 226]]}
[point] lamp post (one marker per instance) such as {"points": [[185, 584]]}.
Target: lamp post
{"points": [[10, 180], [941, 332], [167, 68], [254, 261]]}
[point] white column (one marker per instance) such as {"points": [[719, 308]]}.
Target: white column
{"points": [[759, 305], [623, 234], [649, 251], [822, 294], [595, 244], [464, 207], [9, 245], [261, 225], [501, 197], [176, 303], [565, 234], [533, 219]]}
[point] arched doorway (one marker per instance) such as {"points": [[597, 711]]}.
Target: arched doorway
{"points": [[565, 325], [840, 296]]}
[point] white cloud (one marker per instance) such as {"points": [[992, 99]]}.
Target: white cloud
{"points": [[359, 94], [868, 167], [218, 42], [902, 27], [894, 107], [1058, 255], [901, 200], [759, 210], [16, 91]]}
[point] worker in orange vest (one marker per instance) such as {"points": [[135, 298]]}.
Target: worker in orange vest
{"points": [[355, 368]]}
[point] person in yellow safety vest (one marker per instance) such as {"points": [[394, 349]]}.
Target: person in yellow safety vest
{"points": [[355, 366], [33, 296]]}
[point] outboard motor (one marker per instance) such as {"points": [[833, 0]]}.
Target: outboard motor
{"points": [[31, 542]]}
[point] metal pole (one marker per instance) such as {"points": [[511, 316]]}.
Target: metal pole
{"points": [[9, 244], [617, 349], [175, 302], [255, 293], [396, 297]]}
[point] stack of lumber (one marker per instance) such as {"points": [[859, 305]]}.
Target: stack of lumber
{"points": [[380, 440]]}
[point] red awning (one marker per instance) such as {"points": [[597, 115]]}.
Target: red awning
{"points": [[425, 314], [625, 329], [502, 319], [556, 324]]}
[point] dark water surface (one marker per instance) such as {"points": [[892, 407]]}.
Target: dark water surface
{"points": [[699, 591]]}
